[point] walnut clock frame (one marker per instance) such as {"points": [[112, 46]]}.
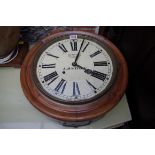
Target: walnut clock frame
{"points": [[79, 112]]}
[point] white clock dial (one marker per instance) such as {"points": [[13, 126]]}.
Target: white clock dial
{"points": [[74, 70]]}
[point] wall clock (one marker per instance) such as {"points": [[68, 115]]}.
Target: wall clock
{"points": [[74, 76]]}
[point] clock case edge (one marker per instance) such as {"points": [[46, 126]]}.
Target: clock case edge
{"points": [[79, 113]]}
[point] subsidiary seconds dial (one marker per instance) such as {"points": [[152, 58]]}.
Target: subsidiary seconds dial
{"points": [[74, 69]]}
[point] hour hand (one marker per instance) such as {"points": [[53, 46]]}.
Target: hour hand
{"points": [[88, 71], [76, 65], [96, 74]]}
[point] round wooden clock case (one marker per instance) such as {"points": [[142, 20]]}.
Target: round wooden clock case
{"points": [[74, 76]]}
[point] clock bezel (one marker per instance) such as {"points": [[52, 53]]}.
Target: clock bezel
{"points": [[115, 65], [81, 112]]}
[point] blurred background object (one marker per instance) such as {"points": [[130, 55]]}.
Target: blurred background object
{"points": [[137, 44], [9, 37], [32, 34]]}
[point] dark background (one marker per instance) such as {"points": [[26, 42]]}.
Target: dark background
{"points": [[137, 44]]}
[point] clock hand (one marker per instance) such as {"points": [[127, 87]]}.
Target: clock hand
{"points": [[77, 56], [96, 74], [80, 66], [88, 71]]}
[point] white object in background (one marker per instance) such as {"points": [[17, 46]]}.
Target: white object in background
{"points": [[10, 57], [97, 29]]}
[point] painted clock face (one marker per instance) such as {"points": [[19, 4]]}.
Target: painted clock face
{"points": [[74, 69]]}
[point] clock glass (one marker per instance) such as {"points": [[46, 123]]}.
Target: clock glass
{"points": [[74, 69]]}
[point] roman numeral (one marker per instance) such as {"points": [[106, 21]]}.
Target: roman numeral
{"points": [[61, 86], [91, 85], [52, 55], [50, 76], [73, 45], [53, 80], [48, 65], [62, 47], [83, 48], [76, 90], [96, 53], [100, 63], [99, 75]]}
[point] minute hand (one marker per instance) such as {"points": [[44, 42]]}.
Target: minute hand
{"points": [[77, 56]]}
